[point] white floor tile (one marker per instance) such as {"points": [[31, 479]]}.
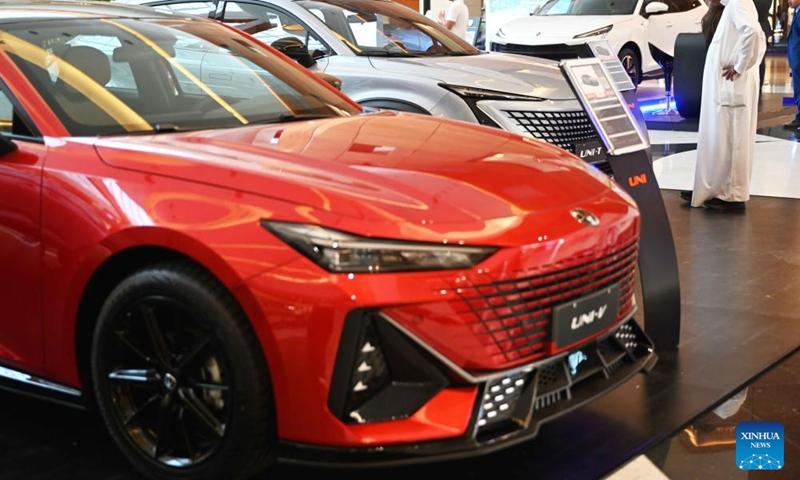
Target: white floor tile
{"points": [[776, 168], [640, 468]]}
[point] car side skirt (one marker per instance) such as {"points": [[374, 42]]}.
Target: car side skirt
{"points": [[29, 385]]}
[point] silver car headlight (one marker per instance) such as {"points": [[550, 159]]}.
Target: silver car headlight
{"points": [[342, 252], [595, 32], [483, 94]]}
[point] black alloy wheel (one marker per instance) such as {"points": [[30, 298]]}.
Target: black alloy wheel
{"points": [[172, 355], [632, 65]]}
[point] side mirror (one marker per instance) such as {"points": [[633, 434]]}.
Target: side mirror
{"points": [[6, 145], [295, 49], [333, 81], [655, 8]]}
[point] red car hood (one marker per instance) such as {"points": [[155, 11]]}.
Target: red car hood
{"points": [[380, 167]]}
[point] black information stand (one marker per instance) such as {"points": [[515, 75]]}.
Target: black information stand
{"points": [[631, 163]]}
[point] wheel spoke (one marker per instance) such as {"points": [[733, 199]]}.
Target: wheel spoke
{"points": [[199, 410], [156, 337], [185, 434], [187, 359], [211, 386], [164, 426], [139, 410], [123, 337], [136, 378]]}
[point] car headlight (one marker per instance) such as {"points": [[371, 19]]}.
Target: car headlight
{"points": [[595, 32], [342, 252], [482, 94]]}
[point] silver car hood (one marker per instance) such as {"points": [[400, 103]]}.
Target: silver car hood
{"points": [[490, 71]]}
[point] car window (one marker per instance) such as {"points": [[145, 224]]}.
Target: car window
{"points": [[6, 113], [588, 7], [383, 32], [387, 29], [11, 123], [676, 6], [203, 9], [682, 5], [103, 77], [269, 24]]}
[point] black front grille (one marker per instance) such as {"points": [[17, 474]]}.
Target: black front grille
{"points": [[516, 314], [562, 129], [559, 51]]}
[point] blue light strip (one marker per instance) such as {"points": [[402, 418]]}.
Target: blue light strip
{"points": [[655, 107]]}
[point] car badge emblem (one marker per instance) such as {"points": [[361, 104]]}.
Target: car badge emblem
{"points": [[537, 34], [584, 217]]}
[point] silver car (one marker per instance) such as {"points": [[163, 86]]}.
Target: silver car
{"points": [[390, 56]]}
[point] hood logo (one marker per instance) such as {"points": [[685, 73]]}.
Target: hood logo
{"points": [[585, 217], [537, 34]]}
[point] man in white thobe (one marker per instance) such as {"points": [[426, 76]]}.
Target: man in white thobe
{"points": [[729, 109], [456, 19]]}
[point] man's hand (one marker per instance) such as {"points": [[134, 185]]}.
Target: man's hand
{"points": [[729, 72]]}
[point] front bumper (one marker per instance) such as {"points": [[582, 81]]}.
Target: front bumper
{"points": [[509, 407]]}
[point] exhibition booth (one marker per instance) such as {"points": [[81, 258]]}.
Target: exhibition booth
{"points": [[166, 325]]}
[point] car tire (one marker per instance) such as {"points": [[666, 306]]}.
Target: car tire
{"points": [[180, 378], [632, 64]]}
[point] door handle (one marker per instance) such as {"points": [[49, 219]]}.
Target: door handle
{"points": [[669, 24]]}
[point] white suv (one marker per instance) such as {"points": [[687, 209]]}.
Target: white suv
{"points": [[639, 30]]}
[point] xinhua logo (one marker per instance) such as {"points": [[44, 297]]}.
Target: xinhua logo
{"points": [[759, 446]]}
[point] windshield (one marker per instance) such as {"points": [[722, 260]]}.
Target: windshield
{"points": [[373, 28], [116, 75], [588, 7]]}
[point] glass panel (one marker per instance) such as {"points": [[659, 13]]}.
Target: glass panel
{"points": [[6, 113], [387, 29], [588, 7], [268, 25], [141, 75]]}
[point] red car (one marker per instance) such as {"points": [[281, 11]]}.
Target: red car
{"points": [[233, 262]]}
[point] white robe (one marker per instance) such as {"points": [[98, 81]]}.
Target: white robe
{"points": [[729, 108]]}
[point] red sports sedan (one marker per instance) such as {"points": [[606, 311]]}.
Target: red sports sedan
{"points": [[233, 262]]}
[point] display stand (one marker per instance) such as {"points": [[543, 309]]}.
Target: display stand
{"points": [[631, 164]]}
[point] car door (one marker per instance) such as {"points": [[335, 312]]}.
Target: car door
{"points": [[20, 239], [683, 16]]}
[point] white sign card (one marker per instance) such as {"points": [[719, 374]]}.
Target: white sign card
{"points": [[602, 50], [604, 104]]}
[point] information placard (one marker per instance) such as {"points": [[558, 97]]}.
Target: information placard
{"points": [[604, 104], [603, 51]]}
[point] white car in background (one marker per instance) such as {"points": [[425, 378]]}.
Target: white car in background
{"points": [[639, 30], [390, 56]]}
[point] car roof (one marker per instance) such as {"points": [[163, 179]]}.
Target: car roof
{"points": [[16, 10]]}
